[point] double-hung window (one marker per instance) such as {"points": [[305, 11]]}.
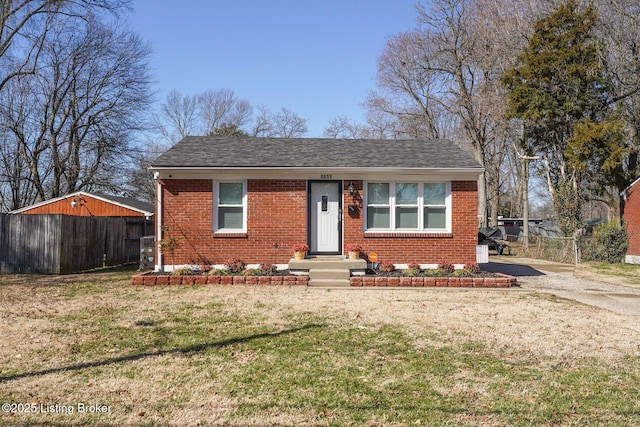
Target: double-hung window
{"points": [[435, 206], [378, 205], [408, 206], [230, 207]]}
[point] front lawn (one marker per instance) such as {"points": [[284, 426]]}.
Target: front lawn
{"points": [[276, 355]]}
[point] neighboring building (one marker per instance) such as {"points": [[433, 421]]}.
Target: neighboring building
{"points": [[76, 232], [82, 203], [631, 218], [254, 198]]}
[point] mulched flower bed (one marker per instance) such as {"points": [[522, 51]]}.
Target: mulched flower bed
{"points": [[154, 278], [450, 281]]}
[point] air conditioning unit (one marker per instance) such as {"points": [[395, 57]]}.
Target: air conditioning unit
{"points": [[482, 254], [147, 252]]}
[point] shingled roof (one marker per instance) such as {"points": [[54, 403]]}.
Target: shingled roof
{"points": [[239, 152], [128, 202]]}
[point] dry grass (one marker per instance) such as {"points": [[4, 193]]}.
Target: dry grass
{"points": [[216, 355], [617, 274]]}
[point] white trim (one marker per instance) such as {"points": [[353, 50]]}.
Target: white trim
{"points": [[313, 174], [76, 194], [196, 267], [216, 201], [159, 259], [307, 170], [623, 193], [421, 206], [632, 259]]}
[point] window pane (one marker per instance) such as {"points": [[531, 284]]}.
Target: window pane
{"points": [[378, 193], [407, 194], [377, 217], [435, 218], [407, 217], [434, 194], [230, 193], [230, 218]]}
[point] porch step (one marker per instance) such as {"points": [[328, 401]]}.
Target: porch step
{"points": [[329, 283], [337, 274], [329, 277], [323, 264], [328, 272]]}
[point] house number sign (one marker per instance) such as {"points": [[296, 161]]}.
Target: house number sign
{"points": [[325, 176]]}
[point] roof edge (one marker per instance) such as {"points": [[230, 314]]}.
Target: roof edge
{"points": [[79, 193], [152, 168]]}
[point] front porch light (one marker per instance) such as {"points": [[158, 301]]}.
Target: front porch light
{"points": [[352, 189]]}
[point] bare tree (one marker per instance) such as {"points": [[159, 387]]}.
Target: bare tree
{"points": [[283, 124], [435, 80], [71, 123], [177, 117], [26, 25], [342, 127], [287, 124], [222, 109], [262, 123]]}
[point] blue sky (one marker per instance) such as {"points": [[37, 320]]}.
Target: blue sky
{"points": [[317, 58]]}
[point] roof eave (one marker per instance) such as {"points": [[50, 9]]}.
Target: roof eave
{"points": [[478, 169]]}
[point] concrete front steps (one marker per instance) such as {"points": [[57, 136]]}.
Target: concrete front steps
{"points": [[328, 272]]}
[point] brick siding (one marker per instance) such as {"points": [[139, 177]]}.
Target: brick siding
{"points": [[632, 219], [459, 247], [277, 219]]}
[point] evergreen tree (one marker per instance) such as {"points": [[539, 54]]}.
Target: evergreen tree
{"points": [[560, 90]]}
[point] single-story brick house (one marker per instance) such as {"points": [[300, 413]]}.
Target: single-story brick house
{"points": [[631, 218], [254, 198]]}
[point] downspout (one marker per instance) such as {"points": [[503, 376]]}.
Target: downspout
{"points": [[159, 262]]}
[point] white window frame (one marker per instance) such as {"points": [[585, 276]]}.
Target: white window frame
{"points": [[216, 206], [421, 205], [396, 205]]}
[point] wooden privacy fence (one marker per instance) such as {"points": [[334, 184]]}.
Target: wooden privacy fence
{"points": [[60, 244]]}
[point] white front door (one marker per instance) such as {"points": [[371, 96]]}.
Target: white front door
{"points": [[325, 212]]}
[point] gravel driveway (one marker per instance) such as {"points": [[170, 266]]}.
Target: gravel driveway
{"points": [[560, 280]]}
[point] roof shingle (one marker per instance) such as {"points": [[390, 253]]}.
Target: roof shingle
{"points": [[240, 152]]}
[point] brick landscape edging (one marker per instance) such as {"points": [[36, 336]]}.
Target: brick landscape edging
{"points": [[151, 279], [502, 281]]}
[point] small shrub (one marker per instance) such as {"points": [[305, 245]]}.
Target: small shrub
{"points": [[268, 269], [464, 273], [235, 265], [434, 272], [218, 272], [411, 272], [413, 269], [472, 267], [386, 267], [446, 266], [185, 271], [251, 272]]}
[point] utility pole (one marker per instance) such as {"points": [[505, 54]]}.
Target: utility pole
{"points": [[525, 191]]}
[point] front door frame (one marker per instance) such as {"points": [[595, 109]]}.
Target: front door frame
{"points": [[310, 223]]}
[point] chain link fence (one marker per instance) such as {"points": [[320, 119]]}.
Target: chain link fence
{"points": [[557, 249]]}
